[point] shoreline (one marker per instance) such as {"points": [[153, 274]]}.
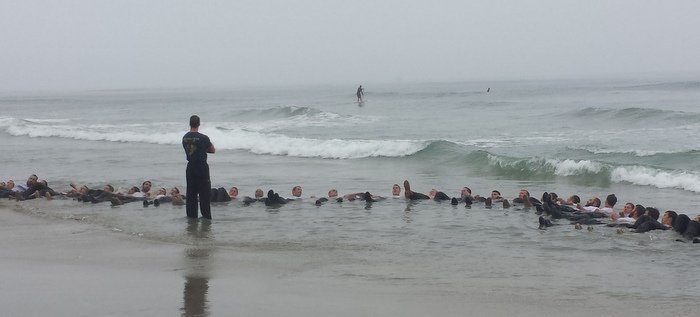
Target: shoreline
{"points": [[65, 267]]}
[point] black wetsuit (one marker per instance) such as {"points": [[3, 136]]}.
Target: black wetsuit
{"points": [[693, 230], [689, 229], [198, 181], [441, 196], [418, 196], [274, 199], [646, 223], [681, 223], [5, 193], [27, 194], [96, 196], [533, 201], [565, 212], [219, 195]]}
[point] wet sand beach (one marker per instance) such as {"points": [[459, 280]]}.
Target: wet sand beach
{"points": [[69, 267]]}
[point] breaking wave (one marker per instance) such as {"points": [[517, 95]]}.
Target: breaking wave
{"points": [[226, 138]]}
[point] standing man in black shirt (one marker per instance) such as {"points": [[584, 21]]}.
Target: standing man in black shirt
{"points": [[197, 146]]}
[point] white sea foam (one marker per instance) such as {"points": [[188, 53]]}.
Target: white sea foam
{"points": [[573, 167], [640, 175], [635, 152], [510, 141], [46, 120], [322, 119], [540, 165], [278, 144], [225, 139], [6, 121], [297, 117]]}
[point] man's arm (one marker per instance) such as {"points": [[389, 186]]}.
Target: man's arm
{"points": [[211, 149]]}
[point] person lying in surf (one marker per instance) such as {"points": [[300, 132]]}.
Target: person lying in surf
{"points": [[75, 191], [366, 196], [160, 196], [525, 199], [571, 201], [555, 211], [495, 197], [29, 190], [98, 195], [649, 221], [163, 196], [332, 195], [624, 216], [591, 205], [274, 200], [45, 190], [258, 196], [132, 195], [6, 190]]}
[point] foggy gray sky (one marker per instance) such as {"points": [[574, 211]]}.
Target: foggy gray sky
{"points": [[133, 44]]}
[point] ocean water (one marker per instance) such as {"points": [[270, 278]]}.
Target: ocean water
{"points": [[637, 139]]}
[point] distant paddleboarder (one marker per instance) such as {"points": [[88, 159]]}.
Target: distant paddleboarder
{"points": [[360, 93]]}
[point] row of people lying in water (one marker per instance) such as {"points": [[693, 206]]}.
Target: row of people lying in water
{"points": [[39, 188], [35, 188], [637, 217], [551, 206]]}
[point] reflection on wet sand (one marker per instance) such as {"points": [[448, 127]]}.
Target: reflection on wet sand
{"points": [[197, 258]]}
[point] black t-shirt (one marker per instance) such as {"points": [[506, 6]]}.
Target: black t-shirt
{"points": [[196, 145]]}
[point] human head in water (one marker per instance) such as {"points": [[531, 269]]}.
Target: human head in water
{"points": [[465, 192], [610, 201], [146, 186], [594, 201], [669, 218], [296, 191], [258, 193], [32, 180], [628, 209], [333, 193], [524, 194], [233, 192], [652, 212], [396, 190], [574, 199]]}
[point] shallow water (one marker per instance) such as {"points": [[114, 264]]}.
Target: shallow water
{"points": [[635, 139]]}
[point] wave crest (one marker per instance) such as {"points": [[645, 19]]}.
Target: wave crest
{"points": [[645, 176], [631, 114], [225, 139], [542, 167], [289, 117]]}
